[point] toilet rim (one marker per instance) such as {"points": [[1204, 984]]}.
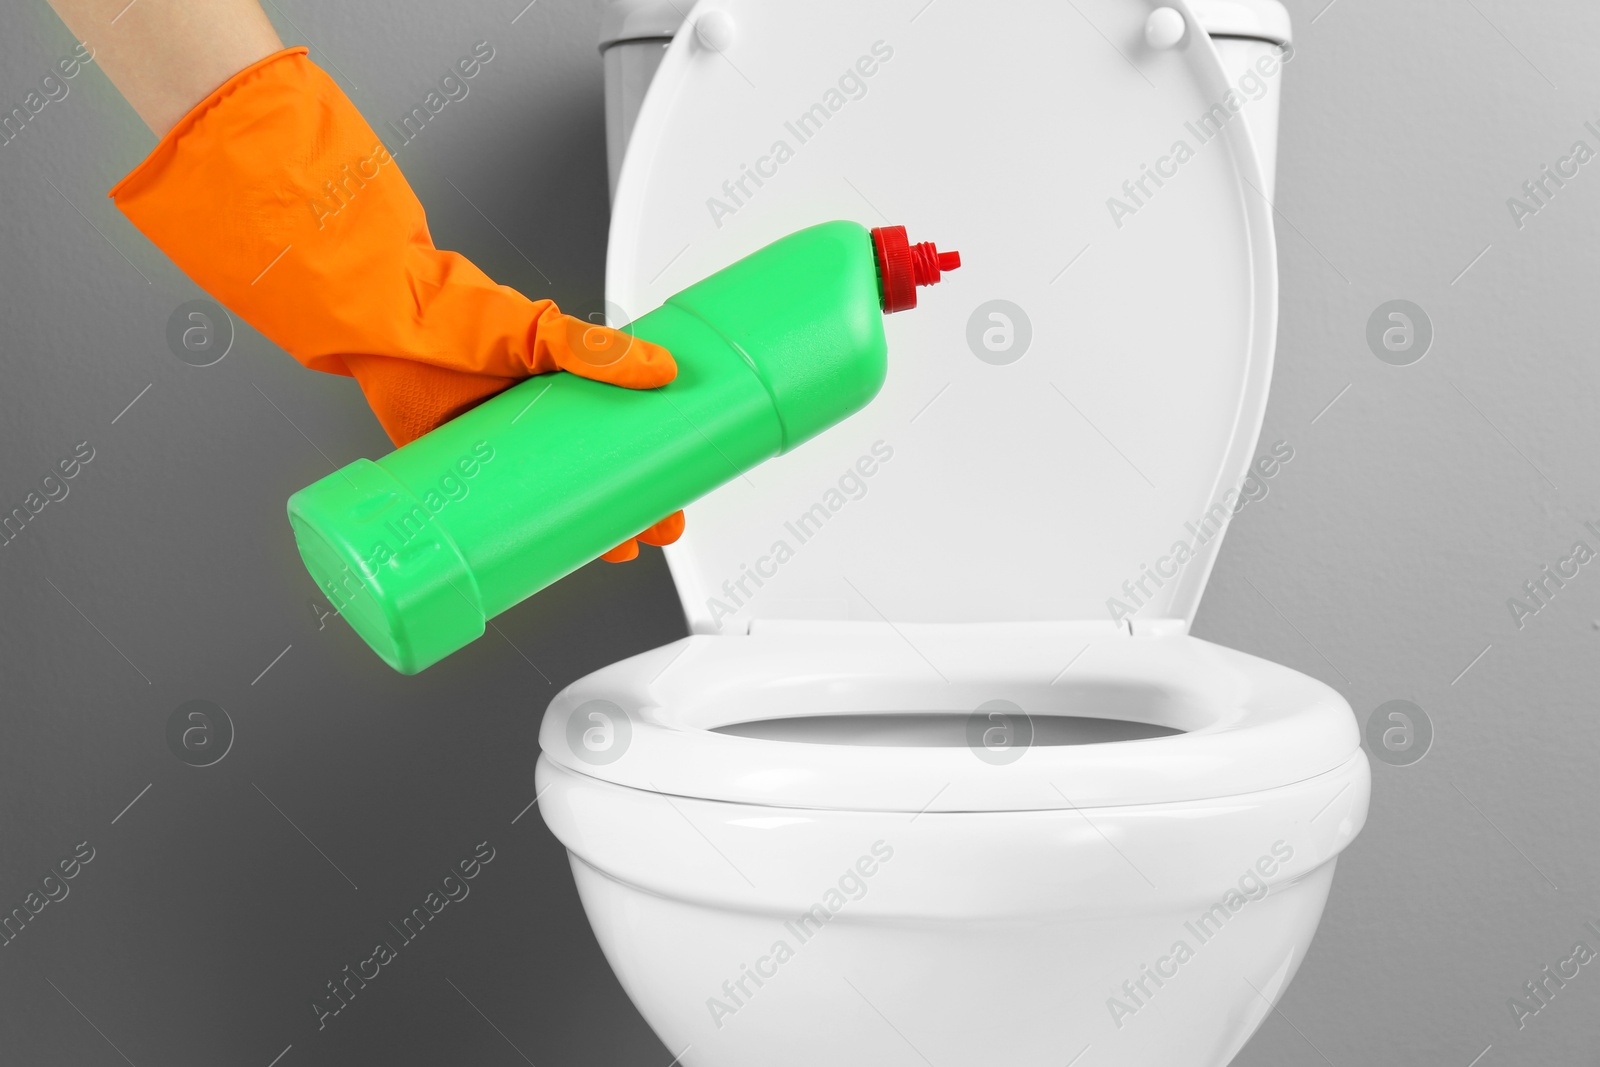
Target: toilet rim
{"points": [[649, 722]]}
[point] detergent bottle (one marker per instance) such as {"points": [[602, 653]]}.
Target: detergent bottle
{"points": [[418, 550]]}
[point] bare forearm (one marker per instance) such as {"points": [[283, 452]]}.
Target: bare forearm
{"points": [[166, 55]]}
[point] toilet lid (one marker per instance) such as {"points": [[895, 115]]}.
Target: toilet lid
{"points": [[1069, 416]]}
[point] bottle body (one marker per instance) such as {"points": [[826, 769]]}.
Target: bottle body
{"points": [[419, 549]]}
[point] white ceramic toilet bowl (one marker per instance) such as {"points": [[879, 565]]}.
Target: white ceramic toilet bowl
{"points": [[941, 777], [886, 862]]}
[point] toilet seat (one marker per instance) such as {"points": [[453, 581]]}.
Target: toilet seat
{"points": [[649, 722]]}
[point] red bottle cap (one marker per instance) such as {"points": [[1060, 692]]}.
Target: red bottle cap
{"points": [[903, 266]]}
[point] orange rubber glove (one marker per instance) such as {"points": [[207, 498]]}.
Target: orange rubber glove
{"points": [[276, 197]]}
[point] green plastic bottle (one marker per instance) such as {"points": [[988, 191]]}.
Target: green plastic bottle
{"points": [[419, 549]]}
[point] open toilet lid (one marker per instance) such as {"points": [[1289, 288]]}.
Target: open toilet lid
{"points": [[1068, 416]]}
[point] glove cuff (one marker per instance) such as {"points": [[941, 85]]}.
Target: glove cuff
{"points": [[162, 154]]}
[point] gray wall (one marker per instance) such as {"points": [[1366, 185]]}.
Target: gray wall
{"points": [[1421, 501], [218, 904]]}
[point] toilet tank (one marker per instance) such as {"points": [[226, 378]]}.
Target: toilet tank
{"points": [[634, 35], [1251, 36]]}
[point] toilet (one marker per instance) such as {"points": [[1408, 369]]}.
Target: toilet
{"points": [[940, 775]]}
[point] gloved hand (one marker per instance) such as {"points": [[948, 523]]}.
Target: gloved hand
{"points": [[276, 197], [664, 532]]}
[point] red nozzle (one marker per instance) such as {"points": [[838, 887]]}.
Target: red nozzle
{"points": [[903, 266]]}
